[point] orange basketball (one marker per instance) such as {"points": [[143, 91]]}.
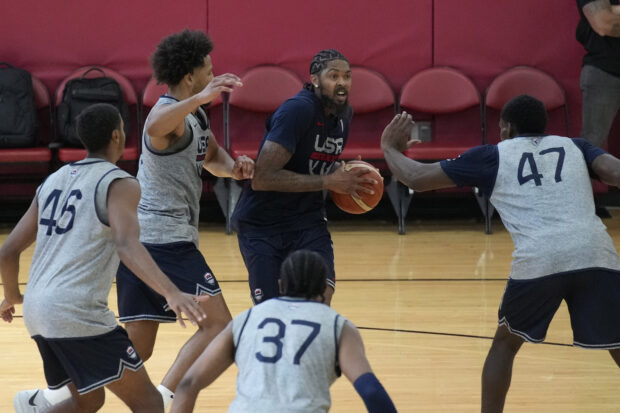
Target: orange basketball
{"points": [[365, 202]]}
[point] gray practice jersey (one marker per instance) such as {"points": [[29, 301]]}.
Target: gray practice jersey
{"points": [[286, 351], [171, 184], [544, 195], [75, 258], [541, 187]]}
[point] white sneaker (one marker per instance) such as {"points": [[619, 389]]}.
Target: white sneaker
{"points": [[30, 401]]}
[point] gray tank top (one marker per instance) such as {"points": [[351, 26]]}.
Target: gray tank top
{"points": [[543, 192], [75, 259], [171, 184], [286, 350]]}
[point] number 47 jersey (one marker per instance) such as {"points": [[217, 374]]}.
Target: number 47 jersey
{"points": [[75, 258], [541, 188], [286, 350]]}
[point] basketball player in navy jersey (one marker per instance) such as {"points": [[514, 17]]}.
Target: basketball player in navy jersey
{"points": [[284, 210], [540, 185], [83, 218], [289, 350]]}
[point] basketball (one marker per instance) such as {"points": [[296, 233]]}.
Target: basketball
{"points": [[365, 202]]}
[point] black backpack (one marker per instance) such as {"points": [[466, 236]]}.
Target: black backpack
{"points": [[18, 113], [81, 93]]}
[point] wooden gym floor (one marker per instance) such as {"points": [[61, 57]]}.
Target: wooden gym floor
{"points": [[426, 304]]}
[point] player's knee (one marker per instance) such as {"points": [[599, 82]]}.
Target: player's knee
{"points": [[507, 344], [144, 350], [213, 325], [145, 353]]}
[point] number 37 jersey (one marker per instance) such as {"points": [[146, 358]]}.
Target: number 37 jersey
{"points": [[286, 351], [541, 188], [75, 258]]}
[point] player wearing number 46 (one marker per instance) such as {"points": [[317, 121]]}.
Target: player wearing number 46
{"points": [[289, 350], [83, 217], [540, 185]]}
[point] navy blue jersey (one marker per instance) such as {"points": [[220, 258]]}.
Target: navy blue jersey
{"points": [[540, 186], [315, 141]]}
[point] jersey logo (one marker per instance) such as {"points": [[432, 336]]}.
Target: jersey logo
{"points": [[131, 353], [209, 278], [258, 294], [73, 172]]}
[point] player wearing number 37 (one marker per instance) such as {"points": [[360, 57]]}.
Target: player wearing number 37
{"points": [[540, 185], [289, 350], [84, 218]]}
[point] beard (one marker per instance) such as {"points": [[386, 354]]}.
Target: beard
{"points": [[332, 105]]}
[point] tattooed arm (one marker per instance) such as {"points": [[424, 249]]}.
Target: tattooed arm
{"points": [[603, 17], [270, 175]]}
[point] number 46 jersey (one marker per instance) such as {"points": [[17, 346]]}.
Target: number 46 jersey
{"points": [[75, 258], [286, 350], [541, 188]]}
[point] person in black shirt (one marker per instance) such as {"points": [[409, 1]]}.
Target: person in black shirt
{"points": [[599, 33]]}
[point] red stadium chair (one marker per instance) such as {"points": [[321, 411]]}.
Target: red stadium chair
{"points": [[526, 80], [264, 89], [374, 105], [23, 169], [131, 154], [451, 104], [521, 80]]}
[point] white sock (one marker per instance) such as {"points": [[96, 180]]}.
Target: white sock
{"points": [[166, 394], [55, 396]]}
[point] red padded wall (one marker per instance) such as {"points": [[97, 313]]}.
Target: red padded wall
{"points": [[392, 37], [484, 38], [51, 39]]}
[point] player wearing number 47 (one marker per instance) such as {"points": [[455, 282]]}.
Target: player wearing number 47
{"points": [[289, 350], [540, 185], [83, 218]]}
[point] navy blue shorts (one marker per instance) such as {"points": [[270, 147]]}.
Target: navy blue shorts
{"points": [[183, 263], [88, 362], [592, 297], [264, 255]]}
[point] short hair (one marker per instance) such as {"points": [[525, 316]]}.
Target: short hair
{"points": [[303, 274], [320, 60], [179, 54], [95, 125], [526, 113]]}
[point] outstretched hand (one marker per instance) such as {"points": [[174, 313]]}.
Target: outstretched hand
{"points": [[217, 85], [397, 133], [243, 168], [188, 304]]}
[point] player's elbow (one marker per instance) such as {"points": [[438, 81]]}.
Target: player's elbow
{"points": [[259, 183], [8, 253], [613, 178]]}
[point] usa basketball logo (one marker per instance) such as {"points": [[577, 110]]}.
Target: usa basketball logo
{"points": [[258, 294], [209, 278], [131, 352], [73, 172]]}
